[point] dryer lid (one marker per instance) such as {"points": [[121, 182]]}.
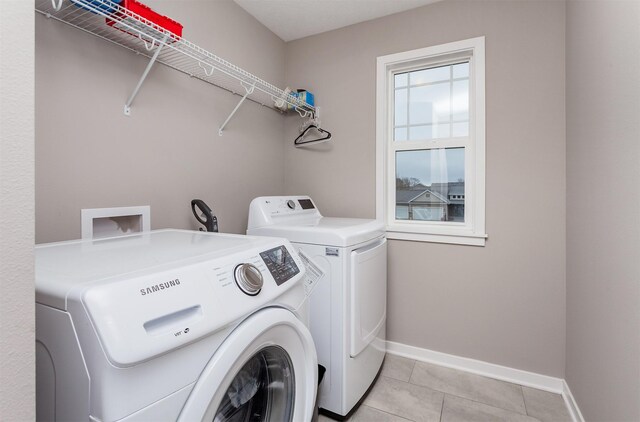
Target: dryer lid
{"points": [[340, 232], [298, 219]]}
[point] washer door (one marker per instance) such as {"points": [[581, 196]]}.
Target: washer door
{"points": [[266, 370]]}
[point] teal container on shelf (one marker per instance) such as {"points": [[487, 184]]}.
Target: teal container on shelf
{"points": [[306, 96]]}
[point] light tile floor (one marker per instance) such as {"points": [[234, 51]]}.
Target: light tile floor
{"points": [[407, 390]]}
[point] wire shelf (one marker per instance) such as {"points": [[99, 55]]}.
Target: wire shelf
{"points": [[144, 37]]}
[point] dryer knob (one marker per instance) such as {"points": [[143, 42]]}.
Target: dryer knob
{"points": [[291, 204], [249, 279]]}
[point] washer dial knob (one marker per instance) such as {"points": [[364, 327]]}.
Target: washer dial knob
{"points": [[249, 279], [291, 204]]}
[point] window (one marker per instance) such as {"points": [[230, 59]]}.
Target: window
{"points": [[430, 143]]}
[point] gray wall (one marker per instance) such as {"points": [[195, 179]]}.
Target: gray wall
{"points": [[603, 171], [89, 155], [503, 303], [17, 318]]}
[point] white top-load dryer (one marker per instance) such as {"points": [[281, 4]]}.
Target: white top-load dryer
{"points": [[173, 325], [348, 304]]}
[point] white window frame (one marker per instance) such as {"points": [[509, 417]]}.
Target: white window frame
{"points": [[472, 231]]}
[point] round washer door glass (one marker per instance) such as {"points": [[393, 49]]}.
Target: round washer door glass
{"points": [[263, 390], [264, 370]]}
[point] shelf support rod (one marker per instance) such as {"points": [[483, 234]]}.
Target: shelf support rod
{"points": [[249, 91], [127, 106]]}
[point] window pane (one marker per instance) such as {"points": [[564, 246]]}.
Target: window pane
{"points": [[430, 104], [421, 133], [402, 212], [401, 79], [400, 107], [461, 70], [460, 100], [400, 134], [460, 129], [430, 75], [430, 184], [428, 213], [433, 105]]}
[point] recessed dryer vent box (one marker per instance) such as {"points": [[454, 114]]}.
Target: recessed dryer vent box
{"points": [[108, 222]]}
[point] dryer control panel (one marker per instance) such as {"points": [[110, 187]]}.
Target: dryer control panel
{"points": [[267, 210]]}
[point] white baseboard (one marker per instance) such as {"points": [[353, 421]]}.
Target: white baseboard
{"points": [[574, 410], [491, 370]]}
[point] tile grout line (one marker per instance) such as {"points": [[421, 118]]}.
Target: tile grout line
{"points": [[466, 398], [492, 406], [389, 413], [524, 400], [408, 383], [474, 401], [377, 408], [515, 412], [412, 369]]}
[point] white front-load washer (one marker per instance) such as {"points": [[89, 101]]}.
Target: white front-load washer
{"points": [[348, 306], [173, 325]]}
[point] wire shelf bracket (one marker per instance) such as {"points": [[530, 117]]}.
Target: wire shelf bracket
{"points": [[248, 91], [127, 106]]}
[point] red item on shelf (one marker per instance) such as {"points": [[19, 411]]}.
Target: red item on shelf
{"points": [[161, 22]]}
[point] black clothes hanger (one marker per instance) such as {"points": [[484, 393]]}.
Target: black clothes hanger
{"points": [[299, 140]]}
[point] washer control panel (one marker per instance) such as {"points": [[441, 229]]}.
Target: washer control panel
{"points": [[209, 281], [280, 264]]}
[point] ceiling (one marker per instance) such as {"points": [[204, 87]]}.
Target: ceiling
{"points": [[293, 19]]}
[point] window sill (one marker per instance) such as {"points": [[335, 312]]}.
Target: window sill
{"points": [[452, 239]]}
